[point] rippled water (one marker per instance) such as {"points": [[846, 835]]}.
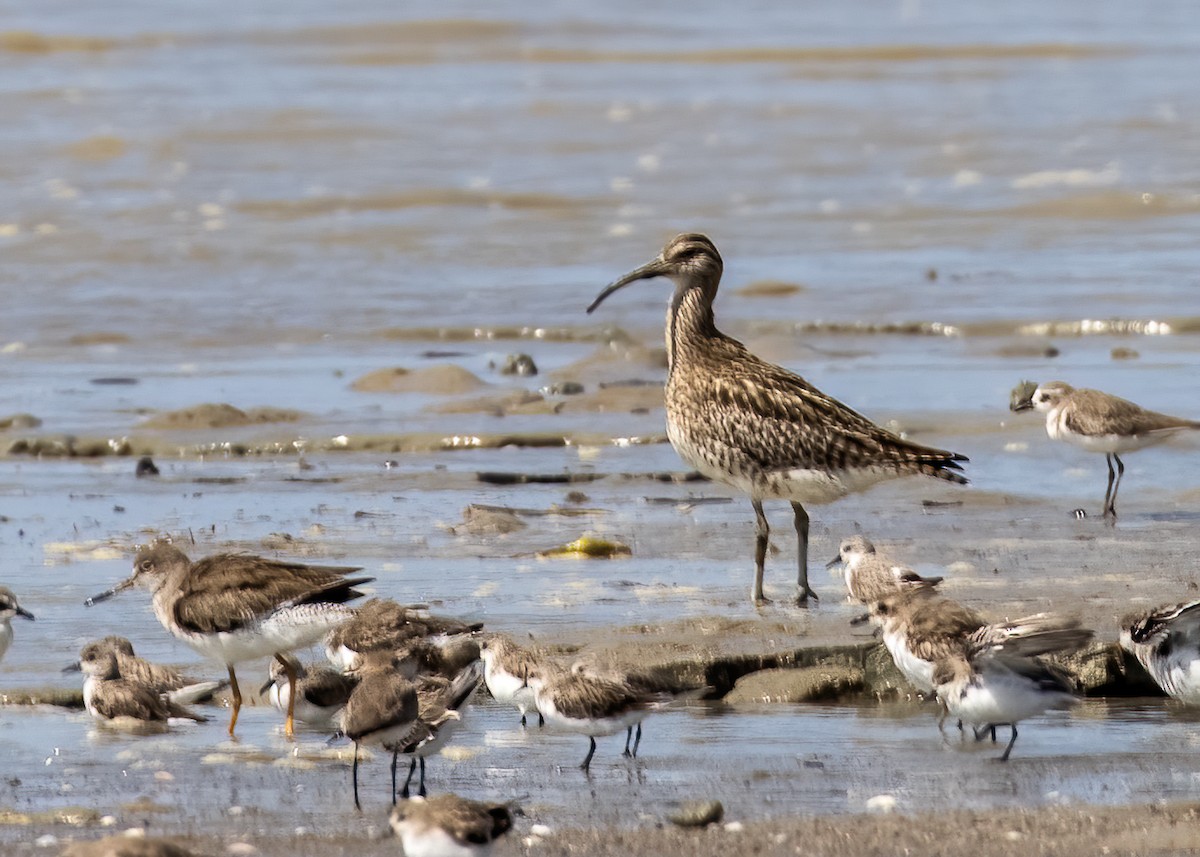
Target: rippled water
{"points": [[211, 203]]}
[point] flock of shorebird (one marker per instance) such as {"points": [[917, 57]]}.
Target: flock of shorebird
{"points": [[402, 679]]}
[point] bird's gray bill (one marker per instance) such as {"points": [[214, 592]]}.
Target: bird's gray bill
{"points": [[266, 687], [25, 614], [109, 593], [834, 563], [76, 667]]}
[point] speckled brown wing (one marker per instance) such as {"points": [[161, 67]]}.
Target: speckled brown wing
{"points": [[385, 624], [1094, 414], [582, 697], [939, 626], [1029, 636], [470, 822], [225, 592], [795, 425], [122, 698], [159, 677]]}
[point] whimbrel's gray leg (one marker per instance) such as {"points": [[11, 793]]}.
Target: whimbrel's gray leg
{"points": [[761, 533], [804, 591]]}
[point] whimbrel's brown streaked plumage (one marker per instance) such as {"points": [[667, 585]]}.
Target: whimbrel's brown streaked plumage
{"points": [[1099, 422], [756, 426], [237, 607]]}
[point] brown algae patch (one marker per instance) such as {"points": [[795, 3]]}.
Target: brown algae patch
{"points": [[211, 416], [447, 379]]}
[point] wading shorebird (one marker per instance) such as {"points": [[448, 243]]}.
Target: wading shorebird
{"points": [[870, 576], [506, 665], [1098, 422], [321, 692], [382, 711], [1167, 642], [757, 427], [108, 696], [236, 607], [449, 826], [9, 607], [168, 681]]}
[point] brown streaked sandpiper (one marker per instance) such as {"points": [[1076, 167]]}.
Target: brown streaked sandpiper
{"points": [[381, 711], [441, 704], [237, 607], [9, 607], [449, 826], [1166, 640], [989, 684], [165, 680], [757, 427], [107, 696], [383, 625], [321, 691], [870, 576], [506, 665], [1100, 422]]}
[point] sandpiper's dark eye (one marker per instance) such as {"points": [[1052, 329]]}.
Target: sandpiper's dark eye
{"points": [[146, 565]]}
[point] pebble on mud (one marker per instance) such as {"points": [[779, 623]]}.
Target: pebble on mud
{"points": [[19, 421], [145, 467], [210, 416], [806, 684], [480, 521], [697, 813], [770, 289], [446, 379], [1120, 353], [882, 804]]}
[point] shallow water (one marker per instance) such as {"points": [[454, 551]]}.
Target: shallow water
{"points": [[209, 203]]}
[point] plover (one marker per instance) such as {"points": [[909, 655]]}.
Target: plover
{"points": [[441, 705], [9, 607], [107, 696], [997, 684], [127, 846], [870, 576], [165, 680], [591, 705], [1166, 641], [1100, 422], [449, 826], [757, 427], [237, 607], [383, 625], [321, 692], [506, 665], [381, 711]]}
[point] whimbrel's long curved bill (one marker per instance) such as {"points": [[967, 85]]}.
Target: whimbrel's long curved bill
{"points": [[109, 593], [653, 268]]}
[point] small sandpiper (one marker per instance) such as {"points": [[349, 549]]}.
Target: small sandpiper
{"points": [[383, 625], [321, 692], [107, 696], [449, 826], [593, 706], [165, 680], [237, 607], [996, 684], [506, 665], [9, 607], [381, 711], [1166, 641], [1099, 422], [870, 576], [441, 705], [757, 427]]}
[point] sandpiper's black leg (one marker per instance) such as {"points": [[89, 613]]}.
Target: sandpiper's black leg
{"points": [[762, 532], [1111, 512], [421, 788], [522, 719], [541, 720], [637, 740], [804, 592], [587, 762], [395, 757], [411, 770], [628, 738], [354, 776], [1108, 491], [1011, 741]]}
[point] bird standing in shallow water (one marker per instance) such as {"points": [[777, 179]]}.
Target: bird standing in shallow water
{"points": [[1099, 422], [9, 607], [757, 427]]}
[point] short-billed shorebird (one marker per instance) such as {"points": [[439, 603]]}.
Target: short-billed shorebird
{"points": [[506, 665], [165, 680], [9, 607], [237, 607], [383, 625], [449, 826], [1099, 422], [321, 692], [441, 705], [108, 696], [757, 427], [382, 711], [1166, 640], [870, 576]]}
